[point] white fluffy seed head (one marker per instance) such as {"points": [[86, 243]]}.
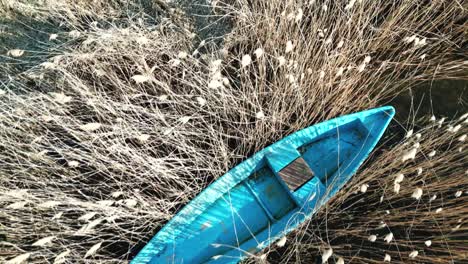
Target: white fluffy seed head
{"points": [[381, 225], [340, 44], [364, 187], [281, 242], [57, 215], [174, 63], [326, 254], [367, 59], [396, 188], [409, 155], [73, 164], [89, 227], [387, 258], [350, 4], [422, 42], [130, 202], [409, 39], [324, 8], [182, 55], [458, 194], [44, 241], [258, 52], [61, 258], [431, 154], [260, 115], [61, 98], [201, 101], [281, 60], [417, 193], [86, 217], [438, 210], [428, 243], [215, 84], [17, 205], [184, 119], [419, 170], [93, 250], [19, 259], [289, 46], [142, 40], [399, 178], [215, 65], [299, 15], [441, 121], [246, 60], [15, 53], [339, 72], [409, 133], [413, 254], [143, 138], [361, 67], [372, 238], [53, 37], [321, 74], [141, 78], [462, 138], [340, 261], [90, 127], [389, 237]]}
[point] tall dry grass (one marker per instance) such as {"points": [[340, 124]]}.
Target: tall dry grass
{"points": [[408, 202], [109, 127]]}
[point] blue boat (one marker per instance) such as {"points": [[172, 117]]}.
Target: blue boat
{"points": [[270, 194]]}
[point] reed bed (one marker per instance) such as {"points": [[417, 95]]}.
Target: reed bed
{"points": [[408, 204], [114, 120]]}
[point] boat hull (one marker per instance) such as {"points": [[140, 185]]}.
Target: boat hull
{"points": [[270, 194]]}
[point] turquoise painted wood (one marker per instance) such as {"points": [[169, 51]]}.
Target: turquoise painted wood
{"points": [[250, 206]]}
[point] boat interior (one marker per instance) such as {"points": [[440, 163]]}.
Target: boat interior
{"points": [[288, 184]]}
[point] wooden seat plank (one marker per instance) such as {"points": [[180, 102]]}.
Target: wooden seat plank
{"points": [[296, 173]]}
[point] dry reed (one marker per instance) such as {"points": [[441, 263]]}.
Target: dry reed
{"points": [[117, 118]]}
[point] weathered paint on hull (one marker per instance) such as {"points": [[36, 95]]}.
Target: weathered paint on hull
{"points": [[250, 206]]}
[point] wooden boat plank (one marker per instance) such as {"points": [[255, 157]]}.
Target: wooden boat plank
{"points": [[296, 173]]}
